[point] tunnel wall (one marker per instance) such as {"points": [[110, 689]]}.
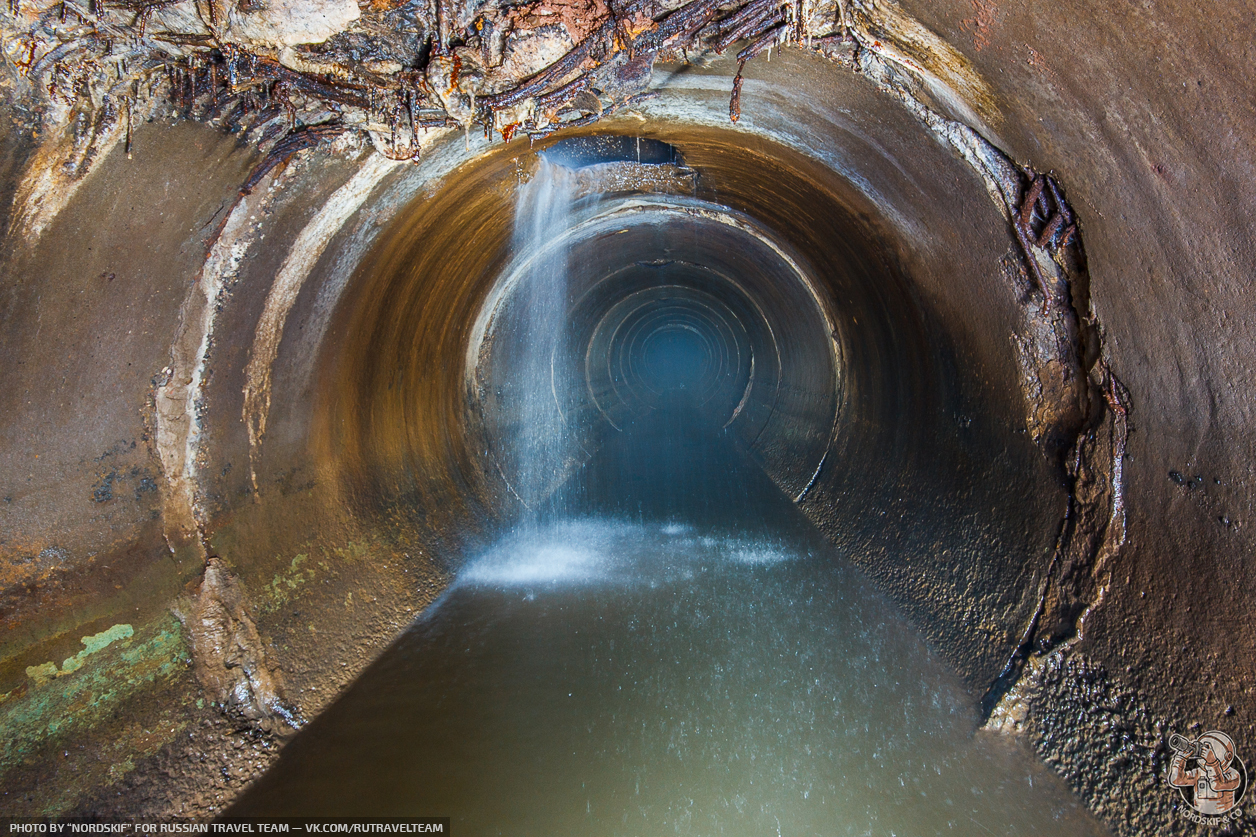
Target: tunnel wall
{"points": [[1143, 110]]}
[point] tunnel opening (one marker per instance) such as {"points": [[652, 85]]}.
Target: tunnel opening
{"points": [[673, 357], [623, 271]]}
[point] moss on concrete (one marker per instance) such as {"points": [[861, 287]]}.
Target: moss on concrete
{"points": [[113, 665]]}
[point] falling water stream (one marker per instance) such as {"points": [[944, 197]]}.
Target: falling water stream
{"points": [[542, 212], [666, 647]]}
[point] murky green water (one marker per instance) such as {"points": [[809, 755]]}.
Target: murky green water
{"points": [[675, 653]]}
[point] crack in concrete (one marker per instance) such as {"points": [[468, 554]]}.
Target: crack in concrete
{"points": [[179, 388]]}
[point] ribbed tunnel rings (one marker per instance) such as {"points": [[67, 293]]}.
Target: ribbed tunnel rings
{"points": [[668, 299], [666, 340]]}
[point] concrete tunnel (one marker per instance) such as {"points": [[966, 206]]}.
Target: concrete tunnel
{"points": [[988, 259]]}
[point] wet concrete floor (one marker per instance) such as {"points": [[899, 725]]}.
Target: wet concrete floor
{"points": [[669, 649]]}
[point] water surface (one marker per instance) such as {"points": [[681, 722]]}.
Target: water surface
{"points": [[670, 649]]}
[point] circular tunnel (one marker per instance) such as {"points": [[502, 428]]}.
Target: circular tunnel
{"points": [[815, 328], [529, 331], [893, 322], [665, 296]]}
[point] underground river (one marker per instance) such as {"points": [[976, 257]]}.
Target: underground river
{"points": [[670, 647]]}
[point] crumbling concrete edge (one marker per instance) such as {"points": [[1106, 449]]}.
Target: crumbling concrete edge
{"points": [[229, 656], [228, 653], [301, 258]]}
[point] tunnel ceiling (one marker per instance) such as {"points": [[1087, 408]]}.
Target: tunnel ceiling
{"points": [[967, 280]]}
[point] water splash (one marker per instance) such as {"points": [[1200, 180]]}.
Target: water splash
{"points": [[610, 552]]}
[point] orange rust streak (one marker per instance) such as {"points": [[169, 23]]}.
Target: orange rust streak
{"points": [[453, 73]]}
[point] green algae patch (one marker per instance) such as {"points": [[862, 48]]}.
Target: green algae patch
{"points": [[96, 642], [301, 570], [42, 673], [113, 665], [354, 551], [287, 581], [92, 644]]}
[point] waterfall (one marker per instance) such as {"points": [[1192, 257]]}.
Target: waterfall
{"points": [[543, 212]]}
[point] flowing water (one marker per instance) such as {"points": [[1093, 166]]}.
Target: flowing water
{"points": [[684, 656]]}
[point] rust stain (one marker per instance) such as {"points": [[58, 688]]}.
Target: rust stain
{"points": [[985, 18], [579, 17]]}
